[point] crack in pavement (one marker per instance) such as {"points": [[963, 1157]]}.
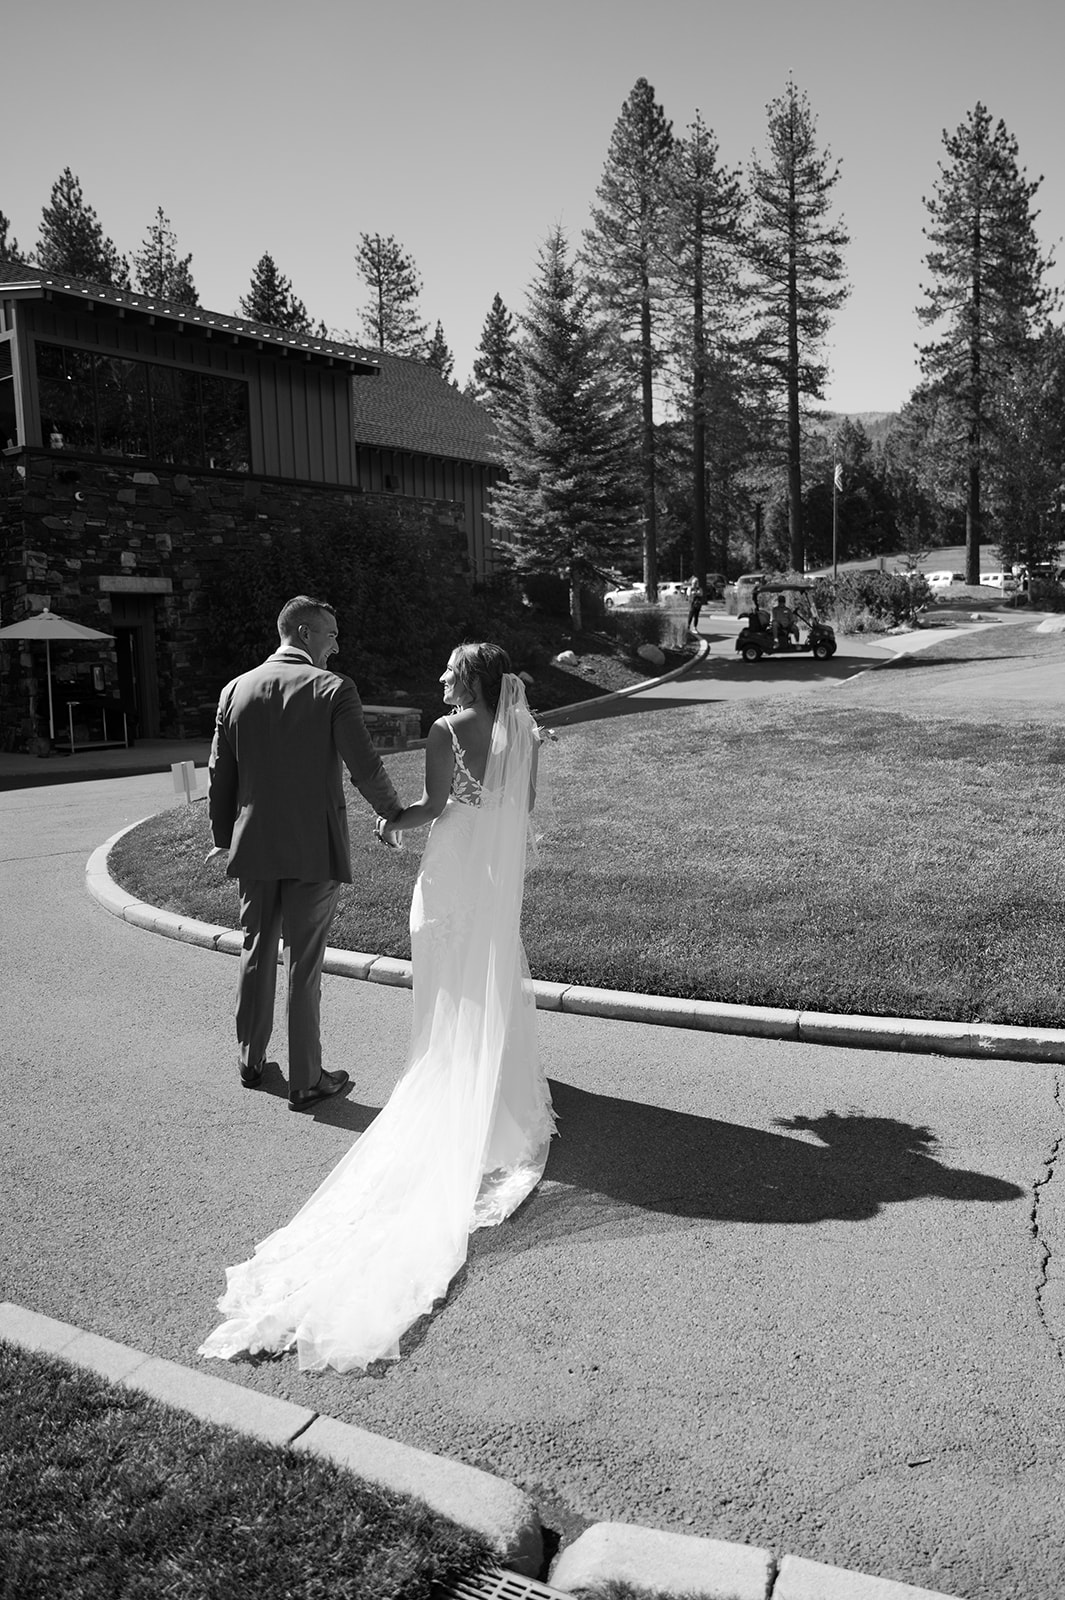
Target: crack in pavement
{"points": [[1050, 1283]]}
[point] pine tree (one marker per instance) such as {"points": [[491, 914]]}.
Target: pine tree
{"points": [[72, 240], [1028, 468], [494, 371], [390, 320], [158, 268], [567, 503], [438, 353], [702, 244], [9, 250], [986, 288], [797, 262], [270, 299], [623, 251]]}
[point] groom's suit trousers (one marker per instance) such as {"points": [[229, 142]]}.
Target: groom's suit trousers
{"points": [[298, 915]]}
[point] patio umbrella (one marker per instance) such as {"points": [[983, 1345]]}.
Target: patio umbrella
{"points": [[47, 626]]}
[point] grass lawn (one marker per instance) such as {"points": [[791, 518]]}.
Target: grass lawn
{"points": [[106, 1493], [865, 849]]}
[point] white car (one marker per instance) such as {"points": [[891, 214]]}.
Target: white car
{"points": [[636, 596], [939, 580]]}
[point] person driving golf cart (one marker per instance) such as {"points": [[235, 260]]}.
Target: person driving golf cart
{"points": [[783, 623]]}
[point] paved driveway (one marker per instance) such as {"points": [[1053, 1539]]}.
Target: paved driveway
{"points": [[798, 1296]]}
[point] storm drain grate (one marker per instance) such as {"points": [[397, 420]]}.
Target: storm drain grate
{"points": [[498, 1585]]}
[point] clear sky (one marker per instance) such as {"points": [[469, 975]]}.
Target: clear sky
{"points": [[468, 128]]}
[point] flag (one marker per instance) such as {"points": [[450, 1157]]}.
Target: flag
{"points": [[837, 477]]}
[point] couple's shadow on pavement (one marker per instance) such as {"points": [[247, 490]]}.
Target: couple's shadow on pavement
{"points": [[616, 1158]]}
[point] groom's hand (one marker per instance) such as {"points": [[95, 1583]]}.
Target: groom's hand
{"points": [[388, 835]]}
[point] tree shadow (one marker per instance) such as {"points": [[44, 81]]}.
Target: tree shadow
{"points": [[616, 1160]]}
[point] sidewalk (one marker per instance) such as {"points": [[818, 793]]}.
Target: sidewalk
{"points": [[864, 1366]]}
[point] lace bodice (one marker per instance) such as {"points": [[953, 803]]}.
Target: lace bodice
{"points": [[464, 786]]}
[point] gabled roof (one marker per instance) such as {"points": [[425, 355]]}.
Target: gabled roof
{"points": [[19, 280], [411, 407]]}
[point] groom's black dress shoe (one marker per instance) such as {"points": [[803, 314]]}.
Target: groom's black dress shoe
{"points": [[329, 1083], [252, 1075]]}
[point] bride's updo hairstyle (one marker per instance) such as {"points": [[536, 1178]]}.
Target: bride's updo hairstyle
{"points": [[484, 662]]}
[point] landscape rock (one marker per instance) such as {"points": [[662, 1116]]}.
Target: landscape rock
{"points": [[651, 653], [565, 658]]}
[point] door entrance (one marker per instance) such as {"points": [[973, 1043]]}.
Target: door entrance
{"points": [[133, 621]]}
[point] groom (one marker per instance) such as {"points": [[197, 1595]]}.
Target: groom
{"points": [[276, 800]]}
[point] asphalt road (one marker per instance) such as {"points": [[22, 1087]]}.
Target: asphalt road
{"points": [[793, 1295]]}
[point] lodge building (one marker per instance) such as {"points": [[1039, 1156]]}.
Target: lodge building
{"points": [[138, 437]]}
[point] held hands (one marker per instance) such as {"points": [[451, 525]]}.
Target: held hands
{"points": [[388, 835]]}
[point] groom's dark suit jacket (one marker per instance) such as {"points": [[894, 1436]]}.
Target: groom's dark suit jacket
{"points": [[276, 795]]}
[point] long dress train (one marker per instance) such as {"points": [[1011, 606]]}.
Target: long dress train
{"points": [[464, 1136]]}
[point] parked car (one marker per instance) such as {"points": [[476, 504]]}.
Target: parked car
{"points": [[716, 583], [939, 580], [634, 596]]}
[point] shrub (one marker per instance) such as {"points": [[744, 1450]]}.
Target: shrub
{"points": [[870, 602], [638, 625]]}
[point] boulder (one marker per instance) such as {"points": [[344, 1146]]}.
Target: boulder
{"points": [[565, 658], [651, 653]]}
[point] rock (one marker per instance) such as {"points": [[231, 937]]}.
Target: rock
{"points": [[651, 653], [565, 658], [527, 679], [1051, 625]]}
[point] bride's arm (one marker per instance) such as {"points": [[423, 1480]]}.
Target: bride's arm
{"points": [[439, 766]]}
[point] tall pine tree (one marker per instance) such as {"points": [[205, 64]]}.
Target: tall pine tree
{"points": [[390, 319], [566, 505], [158, 268], [9, 250], [797, 262], [623, 251], [72, 240], [986, 292], [439, 354], [270, 299], [494, 366], [702, 247]]}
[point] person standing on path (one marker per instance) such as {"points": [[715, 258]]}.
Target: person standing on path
{"points": [[695, 604], [276, 802]]}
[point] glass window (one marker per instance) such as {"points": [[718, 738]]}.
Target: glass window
{"points": [[225, 422], [111, 406], [176, 422], [66, 389], [122, 406]]}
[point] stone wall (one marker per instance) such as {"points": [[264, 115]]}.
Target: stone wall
{"points": [[83, 535]]}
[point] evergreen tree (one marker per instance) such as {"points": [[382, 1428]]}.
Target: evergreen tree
{"points": [[72, 240], [438, 353], [567, 503], [158, 267], [1028, 468], [798, 272], [270, 299], [623, 251], [703, 235], [494, 371], [9, 250], [986, 291], [390, 320]]}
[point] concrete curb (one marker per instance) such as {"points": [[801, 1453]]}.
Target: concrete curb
{"points": [[659, 1561], [976, 1040], [492, 1506]]}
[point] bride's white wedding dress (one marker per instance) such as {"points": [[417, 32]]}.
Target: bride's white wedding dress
{"points": [[464, 1136]]}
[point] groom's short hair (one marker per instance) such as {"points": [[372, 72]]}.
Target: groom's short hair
{"points": [[294, 613]]}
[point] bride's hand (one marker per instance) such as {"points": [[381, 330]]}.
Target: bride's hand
{"points": [[387, 834]]}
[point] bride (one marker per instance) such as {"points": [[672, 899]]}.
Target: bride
{"points": [[463, 1138]]}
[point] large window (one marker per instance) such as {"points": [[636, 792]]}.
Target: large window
{"points": [[106, 405]]}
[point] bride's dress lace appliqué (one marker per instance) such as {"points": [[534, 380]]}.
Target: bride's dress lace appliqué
{"points": [[464, 1136]]}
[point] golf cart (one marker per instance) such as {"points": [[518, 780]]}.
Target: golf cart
{"points": [[792, 633]]}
